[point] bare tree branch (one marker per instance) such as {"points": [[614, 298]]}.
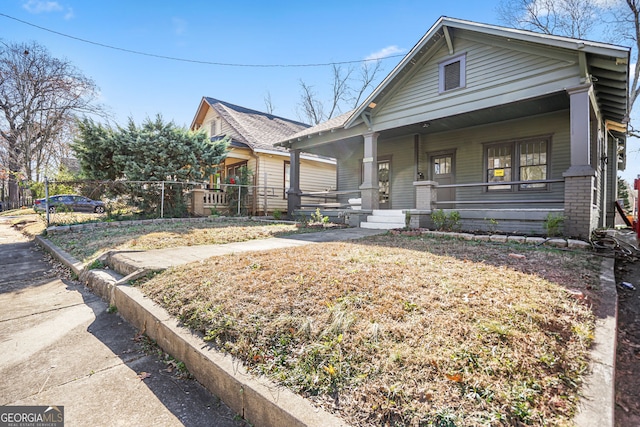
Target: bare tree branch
{"points": [[368, 73], [40, 97], [269, 103], [312, 109], [570, 18], [346, 92]]}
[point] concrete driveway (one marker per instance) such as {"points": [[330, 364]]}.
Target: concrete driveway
{"points": [[59, 345]]}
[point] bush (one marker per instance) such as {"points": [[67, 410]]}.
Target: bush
{"points": [[446, 222], [553, 224]]}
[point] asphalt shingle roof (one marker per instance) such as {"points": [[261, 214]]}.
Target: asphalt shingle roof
{"points": [[256, 129]]}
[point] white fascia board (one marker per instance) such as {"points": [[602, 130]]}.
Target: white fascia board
{"points": [[551, 40], [408, 57], [304, 156]]}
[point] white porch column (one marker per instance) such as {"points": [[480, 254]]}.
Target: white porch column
{"points": [[579, 211], [369, 190], [293, 194]]}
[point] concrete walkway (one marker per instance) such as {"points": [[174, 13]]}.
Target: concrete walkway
{"points": [[60, 346], [259, 401], [127, 262]]}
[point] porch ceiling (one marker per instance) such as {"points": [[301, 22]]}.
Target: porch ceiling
{"points": [[516, 110]]}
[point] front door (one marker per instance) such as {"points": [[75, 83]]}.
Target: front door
{"points": [[443, 172], [384, 183]]}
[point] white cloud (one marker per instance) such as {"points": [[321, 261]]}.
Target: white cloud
{"points": [[69, 14], [39, 6], [179, 25], [384, 52]]}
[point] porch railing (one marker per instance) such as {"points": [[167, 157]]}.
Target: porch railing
{"points": [[255, 200], [330, 199], [496, 202]]}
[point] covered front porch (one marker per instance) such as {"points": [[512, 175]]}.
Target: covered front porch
{"points": [[501, 168]]}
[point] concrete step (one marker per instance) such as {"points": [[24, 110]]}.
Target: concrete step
{"points": [[382, 225], [378, 218], [388, 212], [384, 219]]}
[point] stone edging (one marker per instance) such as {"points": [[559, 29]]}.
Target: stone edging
{"points": [[502, 238]]}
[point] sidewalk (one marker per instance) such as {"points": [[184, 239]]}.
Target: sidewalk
{"points": [[59, 345], [266, 404]]}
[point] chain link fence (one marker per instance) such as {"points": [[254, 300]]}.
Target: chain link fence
{"points": [[125, 200]]}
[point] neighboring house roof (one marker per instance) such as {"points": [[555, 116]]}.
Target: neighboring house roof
{"points": [[253, 128], [333, 123], [605, 65]]}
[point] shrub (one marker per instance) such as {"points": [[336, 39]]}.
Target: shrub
{"points": [[553, 224], [446, 222]]}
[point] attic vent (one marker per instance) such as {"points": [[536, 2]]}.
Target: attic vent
{"points": [[452, 73]]}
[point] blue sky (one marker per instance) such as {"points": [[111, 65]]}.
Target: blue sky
{"points": [[239, 32]]}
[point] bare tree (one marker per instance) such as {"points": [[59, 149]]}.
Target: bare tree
{"points": [[570, 18], [346, 92], [578, 18], [40, 97], [368, 73], [311, 108], [626, 17], [269, 103]]}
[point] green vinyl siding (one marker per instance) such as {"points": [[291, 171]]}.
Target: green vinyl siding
{"points": [[471, 146], [494, 76]]}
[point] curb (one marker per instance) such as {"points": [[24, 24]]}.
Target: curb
{"points": [[597, 406], [257, 400], [265, 404]]}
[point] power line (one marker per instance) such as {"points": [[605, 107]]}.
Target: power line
{"points": [[194, 61]]}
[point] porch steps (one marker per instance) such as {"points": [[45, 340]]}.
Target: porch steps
{"points": [[384, 219]]}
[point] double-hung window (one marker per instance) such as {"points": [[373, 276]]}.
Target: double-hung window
{"points": [[525, 160]]}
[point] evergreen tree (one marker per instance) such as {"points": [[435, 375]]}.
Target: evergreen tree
{"points": [[95, 147], [154, 151], [623, 194]]}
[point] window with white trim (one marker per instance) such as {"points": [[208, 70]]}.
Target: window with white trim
{"points": [[525, 160], [452, 73]]}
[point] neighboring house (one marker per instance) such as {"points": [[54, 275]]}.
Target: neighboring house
{"points": [[252, 135], [502, 125]]}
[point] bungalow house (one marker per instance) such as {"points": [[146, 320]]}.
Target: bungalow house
{"points": [[252, 135], [503, 126]]}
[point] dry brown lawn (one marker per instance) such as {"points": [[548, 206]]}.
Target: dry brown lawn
{"points": [[89, 243], [398, 330]]}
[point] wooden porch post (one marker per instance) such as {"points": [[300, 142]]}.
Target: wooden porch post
{"points": [[369, 189], [293, 194], [580, 211]]}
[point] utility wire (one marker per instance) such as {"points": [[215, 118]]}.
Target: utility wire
{"points": [[194, 61]]}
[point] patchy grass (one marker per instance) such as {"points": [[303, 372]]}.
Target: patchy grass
{"points": [[397, 330], [18, 212], [26, 221], [89, 243]]}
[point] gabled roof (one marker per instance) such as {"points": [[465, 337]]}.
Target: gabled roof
{"points": [[614, 75], [606, 65], [256, 129]]}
